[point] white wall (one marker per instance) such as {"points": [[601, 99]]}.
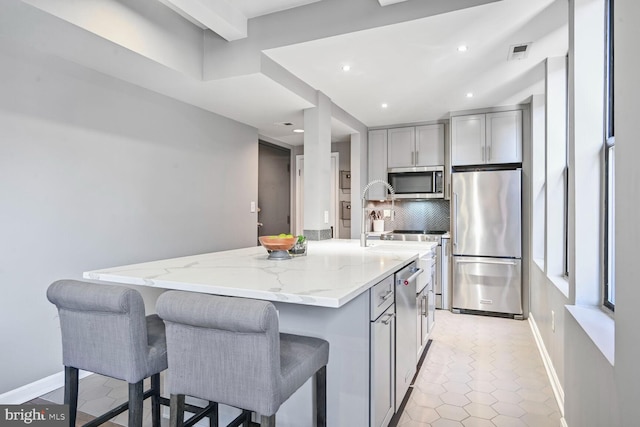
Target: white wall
{"points": [[95, 173], [627, 93]]}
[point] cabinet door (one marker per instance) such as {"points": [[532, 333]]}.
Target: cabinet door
{"points": [[468, 140], [430, 145], [377, 157], [382, 369], [401, 149], [504, 137]]}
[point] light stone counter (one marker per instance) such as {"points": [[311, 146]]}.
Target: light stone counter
{"points": [[333, 273]]}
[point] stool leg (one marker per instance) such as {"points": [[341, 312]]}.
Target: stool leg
{"points": [[213, 416], [269, 421], [136, 391], [71, 392], [155, 400], [176, 409], [321, 397]]}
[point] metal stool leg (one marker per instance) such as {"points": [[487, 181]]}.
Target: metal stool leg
{"points": [[155, 400], [321, 397], [176, 409], [136, 399], [269, 421], [71, 392]]}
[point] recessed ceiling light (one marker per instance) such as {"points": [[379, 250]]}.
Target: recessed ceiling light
{"points": [[298, 130], [384, 105], [469, 95], [462, 48], [346, 67]]}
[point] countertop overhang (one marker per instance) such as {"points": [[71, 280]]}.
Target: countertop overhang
{"points": [[333, 273]]}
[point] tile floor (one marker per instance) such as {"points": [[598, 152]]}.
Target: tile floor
{"points": [[479, 372]]}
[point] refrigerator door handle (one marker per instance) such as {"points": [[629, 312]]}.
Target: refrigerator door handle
{"points": [[455, 220], [465, 261]]}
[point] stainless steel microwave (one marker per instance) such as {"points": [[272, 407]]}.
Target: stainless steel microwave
{"points": [[426, 182]]}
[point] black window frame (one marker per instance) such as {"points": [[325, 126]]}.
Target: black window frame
{"points": [[609, 162]]}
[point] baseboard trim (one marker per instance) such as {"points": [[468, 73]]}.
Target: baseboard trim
{"points": [[548, 365], [36, 389]]}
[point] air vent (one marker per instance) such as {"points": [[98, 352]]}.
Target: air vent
{"points": [[518, 51], [284, 124]]}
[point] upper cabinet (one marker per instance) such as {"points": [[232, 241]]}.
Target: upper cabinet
{"points": [[490, 138], [377, 160], [416, 146]]}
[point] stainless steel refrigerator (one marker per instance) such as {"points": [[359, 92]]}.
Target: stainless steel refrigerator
{"points": [[487, 241]]}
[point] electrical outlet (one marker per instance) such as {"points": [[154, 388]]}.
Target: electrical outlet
{"points": [[387, 213], [553, 321], [252, 207]]}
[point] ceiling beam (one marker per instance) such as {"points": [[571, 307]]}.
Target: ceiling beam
{"points": [[220, 16]]}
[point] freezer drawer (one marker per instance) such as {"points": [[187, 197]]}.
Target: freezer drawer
{"points": [[487, 284]]}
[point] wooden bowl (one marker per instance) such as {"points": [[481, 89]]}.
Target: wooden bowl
{"points": [[275, 243]]}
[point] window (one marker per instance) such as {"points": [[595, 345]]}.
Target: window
{"points": [[609, 167]]}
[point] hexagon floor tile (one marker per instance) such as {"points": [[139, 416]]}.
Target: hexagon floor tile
{"points": [[495, 376]]}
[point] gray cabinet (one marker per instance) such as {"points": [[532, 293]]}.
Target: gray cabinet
{"points": [[490, 138], [416, 146], [430, 145], [382, 353], [377, 161]]}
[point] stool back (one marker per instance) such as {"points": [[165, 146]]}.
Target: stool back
{"points": [[223, 349], [103, 328]]}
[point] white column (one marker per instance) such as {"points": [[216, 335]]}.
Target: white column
{"points": [[317, 169]]}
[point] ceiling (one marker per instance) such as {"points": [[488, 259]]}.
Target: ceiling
{"points": [[412, 65], [416, 69]]}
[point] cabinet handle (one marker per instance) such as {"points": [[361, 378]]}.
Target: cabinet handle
{"points": [[418, 158], [423, 305], [488, 152], [413, 155], [386, 296], [388, 319]]}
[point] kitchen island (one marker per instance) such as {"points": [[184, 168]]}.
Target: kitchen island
{"points": [[324, 294]]}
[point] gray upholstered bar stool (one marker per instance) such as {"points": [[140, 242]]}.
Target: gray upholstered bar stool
{"points": [[105, 330], [229, 350]]}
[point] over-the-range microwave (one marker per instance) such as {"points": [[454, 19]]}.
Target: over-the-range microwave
{"points": [[424, 182]]}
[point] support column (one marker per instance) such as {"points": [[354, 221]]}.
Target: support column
{"points": [[317, 169]]}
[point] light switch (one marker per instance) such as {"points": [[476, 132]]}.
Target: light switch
{"points": [[253, 207], [387, 213]]}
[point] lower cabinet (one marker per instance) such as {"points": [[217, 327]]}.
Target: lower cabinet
{"points": [[383, 369], [382, 353]]}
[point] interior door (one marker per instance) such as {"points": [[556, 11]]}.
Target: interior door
{"points": [[274, 189]]}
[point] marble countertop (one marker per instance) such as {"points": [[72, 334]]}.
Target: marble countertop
{"points": [[333, 273]]}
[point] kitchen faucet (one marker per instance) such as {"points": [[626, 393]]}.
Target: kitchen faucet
{"points": [[364, 232]]}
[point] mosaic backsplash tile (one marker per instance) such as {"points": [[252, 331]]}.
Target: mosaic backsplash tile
{"points": [[415, 215]]}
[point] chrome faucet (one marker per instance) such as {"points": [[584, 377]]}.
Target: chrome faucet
{"points": [[364, 232]]}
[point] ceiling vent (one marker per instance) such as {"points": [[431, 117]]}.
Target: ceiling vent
{"points": [[519, 51], [284, 124]]}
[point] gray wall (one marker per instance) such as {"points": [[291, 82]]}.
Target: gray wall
{"points": [[96, 173]]}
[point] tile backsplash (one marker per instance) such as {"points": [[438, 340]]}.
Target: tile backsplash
{"points": [[415, 215]]}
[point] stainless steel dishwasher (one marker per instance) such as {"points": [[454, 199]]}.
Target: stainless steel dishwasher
{"points": [[406, 329]]}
